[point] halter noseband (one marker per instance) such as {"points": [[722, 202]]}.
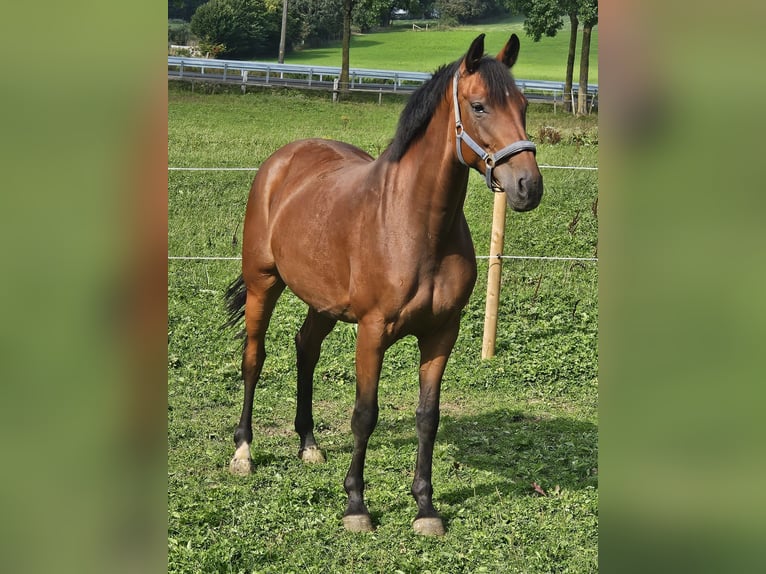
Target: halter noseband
{"points": [[490, 159]]}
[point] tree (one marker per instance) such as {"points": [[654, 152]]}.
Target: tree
{"points": [[318, 20], [369, 14], [573, 24], [589, 14], [545, 17], [348, 5], [283, 33]]}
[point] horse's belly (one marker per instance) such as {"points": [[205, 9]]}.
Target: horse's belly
{"points": [[311, 258], [319, 277]]}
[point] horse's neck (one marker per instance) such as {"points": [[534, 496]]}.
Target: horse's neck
{"points": [[430, 184]]}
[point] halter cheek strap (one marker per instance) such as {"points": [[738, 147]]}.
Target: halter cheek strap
{"points": [[490, 159]]}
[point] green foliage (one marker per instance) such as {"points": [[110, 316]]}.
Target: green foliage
{"points": [[369, 14], [319, 20], [466, 11], [543, 17], [245, 28], [183, 9], [179, 32], [526, 416], [546, 17], [588, 12]]}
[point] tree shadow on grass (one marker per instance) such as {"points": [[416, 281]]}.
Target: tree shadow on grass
{"points": [[504, 452], [479, 459], [360, 42], [519, 450]]}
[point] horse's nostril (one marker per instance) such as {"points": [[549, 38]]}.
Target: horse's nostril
{"points": [[522, 188]]}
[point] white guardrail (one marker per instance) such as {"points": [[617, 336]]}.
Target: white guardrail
{"points": [[323, 77]]}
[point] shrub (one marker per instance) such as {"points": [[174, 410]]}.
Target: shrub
{"points": [[585, 137], [245, 28], [179, 32], [548, 134]]}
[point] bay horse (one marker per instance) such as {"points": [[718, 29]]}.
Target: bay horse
{"points": [[382, 243]]}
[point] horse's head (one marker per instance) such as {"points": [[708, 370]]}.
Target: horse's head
{"points": [[490, 117]]}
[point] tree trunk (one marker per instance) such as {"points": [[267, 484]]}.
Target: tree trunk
{"points": [[582, 97], [346, 45], [570, 61], [283, 33]]}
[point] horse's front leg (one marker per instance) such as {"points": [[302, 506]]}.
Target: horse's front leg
{"points": [[369, 358], [435, 349]]}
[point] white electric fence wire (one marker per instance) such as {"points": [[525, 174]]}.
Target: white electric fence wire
{"points": [[520, 257], [576, 167]]}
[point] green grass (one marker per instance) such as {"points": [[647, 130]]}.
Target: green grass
{"points": [[399, 48], [528, 415]]}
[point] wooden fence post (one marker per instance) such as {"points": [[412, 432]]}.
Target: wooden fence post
{"points": [[493, 276]]}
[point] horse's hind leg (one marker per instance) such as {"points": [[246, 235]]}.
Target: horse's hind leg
{"points": [[308, 343], [261, 299]]}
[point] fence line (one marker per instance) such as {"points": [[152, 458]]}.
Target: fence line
{"points": [[538, 257], [575, 167], [520, 257], [212, 168], [322, 77], [479, 257], [583, 167]]}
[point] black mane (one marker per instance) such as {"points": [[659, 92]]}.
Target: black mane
{"points": [[423, 103]]}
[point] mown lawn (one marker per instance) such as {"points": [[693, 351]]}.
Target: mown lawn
{"points": [[527, 416], [401, 48]]}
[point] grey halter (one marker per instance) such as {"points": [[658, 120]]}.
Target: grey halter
{"points": [[490, 159]]}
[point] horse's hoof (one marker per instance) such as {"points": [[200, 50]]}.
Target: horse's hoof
{"points": [[311, 455], [357, 523], [429, 526], [241, 466]]}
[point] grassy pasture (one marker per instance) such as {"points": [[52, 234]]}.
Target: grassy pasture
{"points": [[526, 416], [400, 48]]}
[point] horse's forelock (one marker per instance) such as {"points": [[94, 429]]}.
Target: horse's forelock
{"points": [[497, 79]]}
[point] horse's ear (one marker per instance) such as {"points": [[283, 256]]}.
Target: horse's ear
{"points": [[510, 52], [475, 54]]}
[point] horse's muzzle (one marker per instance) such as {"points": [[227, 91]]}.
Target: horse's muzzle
{"points": [[523, 188]]}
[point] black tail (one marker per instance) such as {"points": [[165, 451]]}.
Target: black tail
{"points": [[236, 293]]}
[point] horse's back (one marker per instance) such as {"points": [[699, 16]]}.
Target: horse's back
{"points": [[289, 169]]}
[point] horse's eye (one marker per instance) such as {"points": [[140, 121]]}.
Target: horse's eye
{"points": [[478, 108]]}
